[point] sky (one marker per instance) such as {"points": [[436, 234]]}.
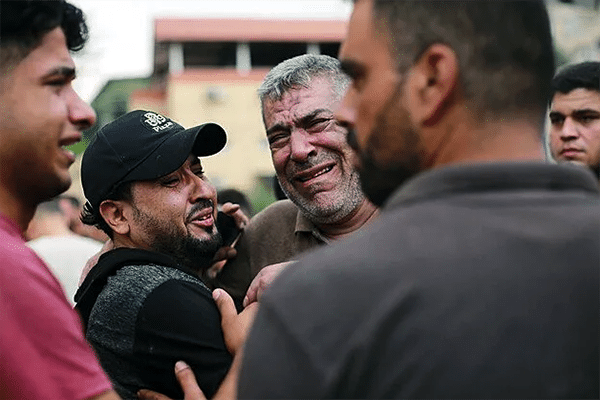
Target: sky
{"points": [[121, 31]]}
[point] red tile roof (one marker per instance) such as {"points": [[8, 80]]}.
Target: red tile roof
{"points": [[170, 29], [220, 75]]}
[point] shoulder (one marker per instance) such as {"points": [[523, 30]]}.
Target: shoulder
{"points": [[280, 215], [339, 272], [23, 269], [134, 292], [140, 280], [281, 209], [179, 300]]}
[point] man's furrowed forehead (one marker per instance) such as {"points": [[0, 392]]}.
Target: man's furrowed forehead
{"points": [[300, 103]]}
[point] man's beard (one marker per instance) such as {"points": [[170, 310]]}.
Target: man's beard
{"points": [[339, 204], [379, 183], [187, 249], [393, 123]]}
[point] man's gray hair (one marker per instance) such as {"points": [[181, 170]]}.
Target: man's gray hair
{"points": [[299, 72]]}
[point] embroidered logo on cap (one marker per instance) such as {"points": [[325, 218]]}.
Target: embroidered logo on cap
{"points": [[156, 122]]}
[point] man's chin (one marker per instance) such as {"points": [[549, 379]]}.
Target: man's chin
{"points": [[201, 234], [378, 183], [54, 186], [195, 252]]}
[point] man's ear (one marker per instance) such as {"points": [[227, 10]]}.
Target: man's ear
{"points": [[433, 84], [116, 215]]}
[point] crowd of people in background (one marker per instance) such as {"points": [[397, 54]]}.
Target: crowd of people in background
{"points": [[424, 245]]}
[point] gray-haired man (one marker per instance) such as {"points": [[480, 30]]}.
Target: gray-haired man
{"points": [[314, 166]]}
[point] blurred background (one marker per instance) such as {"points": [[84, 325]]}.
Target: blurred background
{"points": [[202, 60]]}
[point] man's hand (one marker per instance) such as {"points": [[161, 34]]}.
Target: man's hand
{"points": [[235, 326], [187, 380], [221, 257], [236, 212], [227, 252], [263, 280]]}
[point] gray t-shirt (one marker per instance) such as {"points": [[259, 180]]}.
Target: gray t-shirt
{"points": [[479, 281]]}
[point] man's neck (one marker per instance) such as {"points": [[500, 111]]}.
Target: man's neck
{"points": [[516, 140], [17, 211], [363, 214]]}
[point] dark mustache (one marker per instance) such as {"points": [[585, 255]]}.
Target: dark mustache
{"points": [[199, 206], [297, 167]]}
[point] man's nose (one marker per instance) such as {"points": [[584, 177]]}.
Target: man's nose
{"points": [[201, 189], [569, 130], [301, 146], [80, 113]]}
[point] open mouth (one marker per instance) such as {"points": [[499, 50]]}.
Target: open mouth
{"points": [[68, 153], [203, 218], [203, 215], [202, 212], [305, 178]]}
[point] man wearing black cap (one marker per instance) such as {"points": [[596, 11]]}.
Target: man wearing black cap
{"points": [[143, 305]]}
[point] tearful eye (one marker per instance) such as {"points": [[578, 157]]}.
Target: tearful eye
{"points": [[318, 121], [169, 181], [277, 139]]}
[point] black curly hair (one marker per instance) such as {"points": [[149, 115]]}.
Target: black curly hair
{"points": [[23, 24]]}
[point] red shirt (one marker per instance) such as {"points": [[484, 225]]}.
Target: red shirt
{"points": [[43, 354]]}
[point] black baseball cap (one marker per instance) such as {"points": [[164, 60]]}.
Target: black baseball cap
{"points": [[142, 145]]}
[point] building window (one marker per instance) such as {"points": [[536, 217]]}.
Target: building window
{"points": [[330, 48], [269, 54], [209, 54]]}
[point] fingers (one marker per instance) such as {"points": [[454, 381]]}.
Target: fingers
{"points": [[234, 326], [219, 260], [226, 306], [187, 381], [145, 394], [214, 270], [263, 280], [256, 290], [229, 208], [236, 212], [251, 293], [225, 253]]}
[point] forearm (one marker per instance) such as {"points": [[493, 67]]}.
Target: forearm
{"points": [[228, 388]]}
